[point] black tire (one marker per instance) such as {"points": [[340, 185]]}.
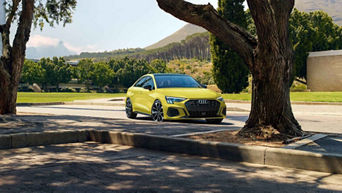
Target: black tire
{"points": [[214, 121], [129, 109], [157, 111]]}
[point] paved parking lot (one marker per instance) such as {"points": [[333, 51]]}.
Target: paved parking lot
{"points": [[317, 118], [92, 167]]}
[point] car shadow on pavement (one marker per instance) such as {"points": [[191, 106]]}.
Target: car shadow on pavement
{"points": [[148, 118], [92, 167]]}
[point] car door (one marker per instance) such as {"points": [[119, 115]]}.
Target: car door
{"points": [[147, 93], [136, 94]]}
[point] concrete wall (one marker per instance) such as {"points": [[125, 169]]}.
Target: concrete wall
{"points": [[324, 71]]}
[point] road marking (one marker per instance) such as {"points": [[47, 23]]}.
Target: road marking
{"points": [[305, 141], [203, 132]]}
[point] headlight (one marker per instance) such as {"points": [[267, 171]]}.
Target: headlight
{"points": [[172, 100], [220, 99]]}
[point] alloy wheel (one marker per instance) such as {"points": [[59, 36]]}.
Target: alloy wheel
{"points": [[129, 109], [157, 111]]}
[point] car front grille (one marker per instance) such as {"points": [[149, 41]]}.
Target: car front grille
{"points": [[202, 108]]}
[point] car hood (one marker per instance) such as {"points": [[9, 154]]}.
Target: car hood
{"points": [[189, 93]]}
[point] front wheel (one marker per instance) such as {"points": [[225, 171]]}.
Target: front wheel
{"points": [[157, 111], [129, 109], [214, 121]]}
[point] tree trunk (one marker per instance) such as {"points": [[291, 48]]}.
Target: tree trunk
{"points": [[272, 71], [13, 57], [269, 58], [271, 107], [8, 96]]}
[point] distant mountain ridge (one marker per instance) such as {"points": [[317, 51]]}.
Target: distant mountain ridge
{"points": [[194, 46], [332, 7], [48, 51], [178, 36]]}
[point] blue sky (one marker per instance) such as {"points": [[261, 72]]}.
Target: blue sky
{"points": [[111, 24]]}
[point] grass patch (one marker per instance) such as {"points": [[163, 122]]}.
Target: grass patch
{"points": [[317, 96], [296, 96], [29, 97], [240, 97]]}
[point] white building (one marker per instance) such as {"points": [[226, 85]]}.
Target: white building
{"points": [[324, 71]]}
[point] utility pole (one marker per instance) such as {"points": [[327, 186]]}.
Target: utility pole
{"points": [[2, 20]]}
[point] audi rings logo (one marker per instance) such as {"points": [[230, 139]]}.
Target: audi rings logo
{"points": [[203, 102]]}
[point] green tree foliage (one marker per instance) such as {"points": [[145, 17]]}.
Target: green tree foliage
{"points": [[314, 31], [57, 71], [128, 70], [158, 66], [229, 70], [83, 70], [101, 74], [32, 72]]}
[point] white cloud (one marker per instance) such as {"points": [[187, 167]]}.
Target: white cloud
{"points": [[43, 41], [79, 49], [39, 41]]}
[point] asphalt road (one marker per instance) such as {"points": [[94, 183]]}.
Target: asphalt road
{"points": [[91, 167], [317, 118]]}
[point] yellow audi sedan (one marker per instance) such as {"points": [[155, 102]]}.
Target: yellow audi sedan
{"points": [[174, 97]]}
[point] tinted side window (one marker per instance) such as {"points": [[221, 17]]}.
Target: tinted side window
{"points": [[149, 81], [140, 82]]}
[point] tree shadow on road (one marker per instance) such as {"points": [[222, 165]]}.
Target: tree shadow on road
{"points": [[92, 167]]}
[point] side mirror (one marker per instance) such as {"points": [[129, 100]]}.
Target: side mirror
{"points": [[204, 86], [148, 87]]}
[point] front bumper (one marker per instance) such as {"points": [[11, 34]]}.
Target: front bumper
{"points": [[191, 109]]}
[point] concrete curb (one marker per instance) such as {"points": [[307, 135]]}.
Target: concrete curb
{"points": [[322, 162], [19, 140], [231, 152]]}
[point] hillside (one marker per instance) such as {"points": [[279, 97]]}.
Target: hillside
{"points": [[332, 7], [193, 46], [178, 36]]}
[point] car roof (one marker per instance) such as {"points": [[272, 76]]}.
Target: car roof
{"points": [[169, 74]]}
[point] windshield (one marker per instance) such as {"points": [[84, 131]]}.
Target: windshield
{"points": [[178, 81]]}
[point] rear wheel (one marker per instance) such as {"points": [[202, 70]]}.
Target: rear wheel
{"points": [[157, 111], [214, 121], [129, 109]]}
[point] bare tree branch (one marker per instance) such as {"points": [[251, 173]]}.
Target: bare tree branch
{"points": [[21, 38], [14, 8], [5, 29], [206, 16]]}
